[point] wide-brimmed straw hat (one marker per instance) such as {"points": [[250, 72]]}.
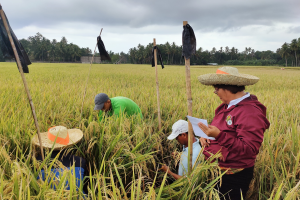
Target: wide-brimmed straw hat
{"points": [[228, 76], [60, 135]]}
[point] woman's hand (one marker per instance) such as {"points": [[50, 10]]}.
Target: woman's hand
{"points": [[204, 142], [210, 131]]}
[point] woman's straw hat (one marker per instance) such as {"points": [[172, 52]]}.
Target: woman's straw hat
{"points": [[228, 76], [60, 135]]}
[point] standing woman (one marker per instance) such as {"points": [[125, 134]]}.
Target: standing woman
{"points": [[238, 128]]}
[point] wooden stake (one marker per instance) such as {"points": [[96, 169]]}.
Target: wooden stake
{"points": [[190, 110], [157, 85], [88, 77], [23, 78]]}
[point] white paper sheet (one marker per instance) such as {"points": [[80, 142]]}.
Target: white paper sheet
{"points": [[197, 130]]}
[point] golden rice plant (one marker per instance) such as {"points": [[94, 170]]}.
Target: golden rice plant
{"points": [[123, 154]]}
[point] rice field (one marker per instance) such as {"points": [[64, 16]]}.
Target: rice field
{"points": [[124, 153]]}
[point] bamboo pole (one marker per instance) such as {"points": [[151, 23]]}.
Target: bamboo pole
{"points": [[23, 78], [157, 85], [190, 111], [88, 78]]}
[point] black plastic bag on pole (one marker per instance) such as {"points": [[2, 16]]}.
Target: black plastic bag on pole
{"points": [[188, 42], [7, 49], [159, 55], [102, 51]]}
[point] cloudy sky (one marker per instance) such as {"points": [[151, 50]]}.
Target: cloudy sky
{"points": [[259, 24]]}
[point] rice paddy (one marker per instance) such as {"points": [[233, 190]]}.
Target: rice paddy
{"points": [[124, 153]]}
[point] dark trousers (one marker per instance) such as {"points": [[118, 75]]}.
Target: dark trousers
{"points": [[234, 184]]}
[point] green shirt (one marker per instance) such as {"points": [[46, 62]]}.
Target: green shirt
{"points": [[122, 104]]}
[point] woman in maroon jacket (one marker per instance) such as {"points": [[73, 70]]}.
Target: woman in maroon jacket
{"points": [[238, 128]]}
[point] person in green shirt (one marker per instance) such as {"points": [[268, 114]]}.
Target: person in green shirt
{"points": [[116, 106]]}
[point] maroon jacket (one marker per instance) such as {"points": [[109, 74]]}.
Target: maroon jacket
{"points": [[242, 131]]}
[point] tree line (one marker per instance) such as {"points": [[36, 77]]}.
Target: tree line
{"points": [[287, 55], [40, 48]]}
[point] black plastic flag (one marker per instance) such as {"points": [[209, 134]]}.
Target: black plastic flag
{"points": [[159, 56], [188, 42], [7, 49], [103, 53]]}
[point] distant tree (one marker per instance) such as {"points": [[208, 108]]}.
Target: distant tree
{"points": [[246, 52], [44, 49], [53, 49], [252, 53], [198, 55], [140, 53], [227, 51], [285, 52], [35, 45], [294, 47], [168, 51], [236, 51], [63, 48], [40, 48], [132, 53], [85, 51], [114, 56], [212, 54], [74, 51], [173, 51], [232, 52], [26, 44]]}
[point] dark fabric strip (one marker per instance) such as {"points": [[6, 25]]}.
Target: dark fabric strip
{"points": [[7, 49], [188, 42], [103, 53], [159, 57]]}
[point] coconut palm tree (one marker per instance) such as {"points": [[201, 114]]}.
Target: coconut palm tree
{"points": [[294, 47], [52, 49], [63, 48], [285, 52], [168, 50], [232, 52], [198, 53], [173, 51], [227, 50]]}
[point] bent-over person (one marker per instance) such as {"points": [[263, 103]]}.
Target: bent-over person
{"points": [[116, 106], [180, 133]]}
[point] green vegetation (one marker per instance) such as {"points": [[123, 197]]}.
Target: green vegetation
{"points": [[123, 154], [40, 48]]}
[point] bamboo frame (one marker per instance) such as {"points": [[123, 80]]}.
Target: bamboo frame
{"points": [[190, 110], [23, 78], [157, 85]]}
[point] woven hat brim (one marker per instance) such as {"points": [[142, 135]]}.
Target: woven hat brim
{"points": [[75, 136], [228, 79]]}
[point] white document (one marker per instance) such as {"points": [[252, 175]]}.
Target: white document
{"points": [[197, 130]]}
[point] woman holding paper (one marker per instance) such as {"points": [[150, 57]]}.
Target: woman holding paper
{"points": [[238, 128]]}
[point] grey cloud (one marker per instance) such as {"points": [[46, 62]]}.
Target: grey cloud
{"points": [[217, 15], [295, 29], [266, 23]]}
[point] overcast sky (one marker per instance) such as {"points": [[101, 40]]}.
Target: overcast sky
{"points": [[259, 24]]}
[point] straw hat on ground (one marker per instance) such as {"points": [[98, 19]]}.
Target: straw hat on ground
{"points": [[62, 137], [228, 76]]}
